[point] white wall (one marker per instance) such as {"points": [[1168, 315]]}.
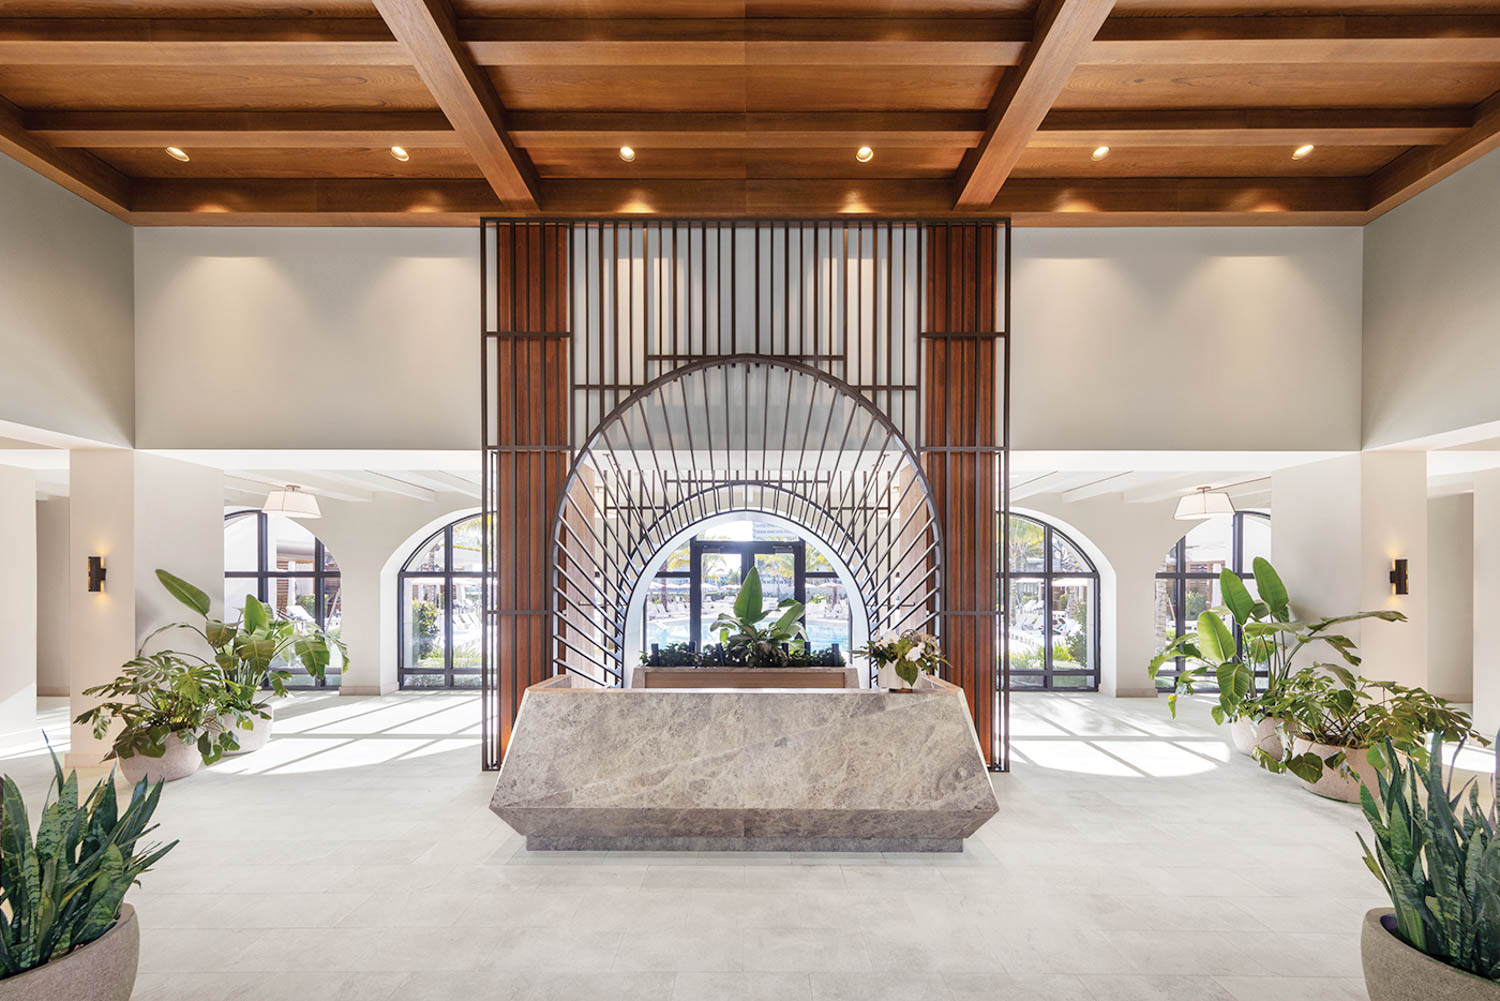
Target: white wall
{"points": [[65, 311], [53, 564], [1450, 596], [1432, 272], [307, 338], [17, 599], [1338, 526], [1486, 601], [1260, 326]]}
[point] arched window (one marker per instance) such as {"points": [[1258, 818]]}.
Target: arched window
{"points": [[284, 565], [1054, 610], [1187, 583], [441, 590], [702, 577]]}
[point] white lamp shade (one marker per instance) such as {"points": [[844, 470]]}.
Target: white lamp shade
{"points": [[1203, 504], [292, 503]]}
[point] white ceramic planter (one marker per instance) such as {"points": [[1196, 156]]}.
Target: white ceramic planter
{"points": [[888, 678], [1337, 783], [1247, 735], [253, 739], [1394, 971], [178, 761], [103, 970]]}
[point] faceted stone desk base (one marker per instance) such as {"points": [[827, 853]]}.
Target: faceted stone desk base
{"points": [[595, 769], [550, 843]]}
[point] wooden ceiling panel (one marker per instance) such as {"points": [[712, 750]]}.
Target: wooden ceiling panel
{"points": [[929, 162], [1198, 161], [741, 8], [187, 8], [736, 88], [1318, 85], [291, 163], [1237, 8], [264, 88]]}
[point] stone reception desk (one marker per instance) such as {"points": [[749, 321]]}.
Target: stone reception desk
{"points": [[592, 768]]}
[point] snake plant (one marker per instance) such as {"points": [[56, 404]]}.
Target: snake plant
{"points": [[65, 888], [1441, 869]]}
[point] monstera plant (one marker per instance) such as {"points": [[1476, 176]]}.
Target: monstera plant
{"points": [[251, 652], [756, 645]]}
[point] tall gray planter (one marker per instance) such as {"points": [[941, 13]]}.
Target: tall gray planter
{"points": [[1394, 971], [103, 970]]}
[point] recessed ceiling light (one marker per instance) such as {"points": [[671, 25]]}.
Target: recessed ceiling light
{"points": [[1101, 152], [864, 154], [627, 154], [400, 153], [177, 154], [1302, 151]]}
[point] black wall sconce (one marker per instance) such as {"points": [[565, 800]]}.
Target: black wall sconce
{"points": [[96, 573], [1400, 581]]}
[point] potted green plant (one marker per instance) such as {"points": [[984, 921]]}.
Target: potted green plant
{"points": [[66, 933], [1441, 939], [248, 652], [1331, 722], [167, 709], [756, 645], [1272, 642], [900, 658]]}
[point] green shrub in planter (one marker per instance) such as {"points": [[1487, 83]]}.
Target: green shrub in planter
{"points": [[1440, 868], [65, 889]]}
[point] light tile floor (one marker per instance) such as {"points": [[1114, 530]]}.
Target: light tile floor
{"points": [[1134, 859]]}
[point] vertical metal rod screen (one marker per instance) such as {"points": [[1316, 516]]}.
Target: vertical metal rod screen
{"points": [[640, 378]]}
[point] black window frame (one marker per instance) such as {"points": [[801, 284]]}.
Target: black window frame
{"points": [[1047, 674], [1180, 576], [747, 549], [449, 578], [264, 573]]}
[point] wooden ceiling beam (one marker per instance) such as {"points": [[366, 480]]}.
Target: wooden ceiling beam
{"points": [[464, 92], [1166, 201], [1419, 169], [67, 41], [1254, 127], [242, 129], [734, 130], [82, 174], [1064, 30], [1374, 38], [1421, 38]]}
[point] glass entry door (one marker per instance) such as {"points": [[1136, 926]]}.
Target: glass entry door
{"points": [[718, 568]]}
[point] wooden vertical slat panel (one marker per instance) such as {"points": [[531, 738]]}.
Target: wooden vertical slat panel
{"points": [[961, 456], [531, 422]]}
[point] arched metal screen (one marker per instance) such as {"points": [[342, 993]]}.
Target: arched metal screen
{"points": [[742, 433]]}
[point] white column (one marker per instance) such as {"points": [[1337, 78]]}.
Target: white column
{"points": [[17, 599], [1486, 600], [101, 626], [54, 568], [1337, 527], [141, 513], [1450, 597]]}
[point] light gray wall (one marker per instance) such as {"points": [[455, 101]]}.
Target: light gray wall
{"points": [[1450, 596], [65, 311], [307, 338], [17, 599], [1432, 325], [1261, 327], [52, 568]]}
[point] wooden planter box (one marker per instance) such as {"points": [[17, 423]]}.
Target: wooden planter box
{"points": [[745, 677]]}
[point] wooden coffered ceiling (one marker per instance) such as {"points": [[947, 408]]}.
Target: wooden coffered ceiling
{"points": [[751, 108]]}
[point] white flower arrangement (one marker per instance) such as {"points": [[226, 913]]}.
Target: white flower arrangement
{"points": [[910, 653]]}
